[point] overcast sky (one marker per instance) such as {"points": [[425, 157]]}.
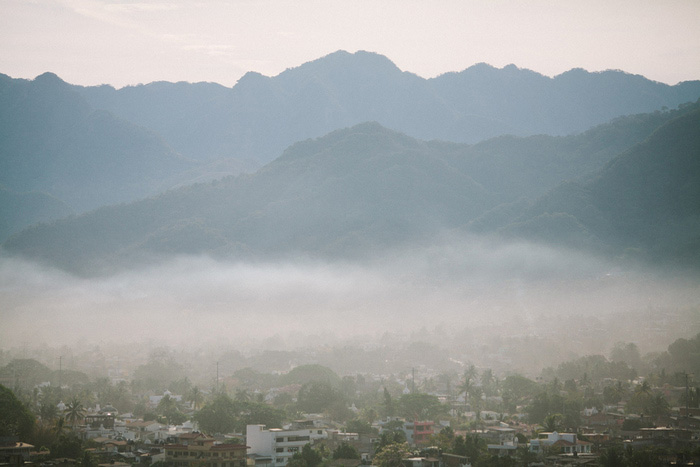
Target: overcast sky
{"points": [[123, 42]]}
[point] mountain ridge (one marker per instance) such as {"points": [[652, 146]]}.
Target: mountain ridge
{"points": [[342, 89], [362, 190]]}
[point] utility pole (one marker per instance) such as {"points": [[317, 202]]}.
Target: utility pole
{"points": [[413, 380], [60, 374], [687, 397], [217, 376]]}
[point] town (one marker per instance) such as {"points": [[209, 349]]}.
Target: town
{"points": [[625, 409]]}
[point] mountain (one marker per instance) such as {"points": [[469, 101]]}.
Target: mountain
{"points": [[350, 194], [20, 210], [53, 141], [645, 203], [347, 194], [260, 116]]}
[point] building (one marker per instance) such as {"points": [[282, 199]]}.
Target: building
{"points": [[502, 441], [198, 449], [566, 442], [274, 447], [364, 443], [13, 452], [419, 433]]}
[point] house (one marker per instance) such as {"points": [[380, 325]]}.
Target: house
{"points": [[274, 447], [566, 442], [364, 443], [201, 450], [453, 460], [141, 431], [421, 462], [504, 442], [153, 401], [14, 452], [419, 433]]}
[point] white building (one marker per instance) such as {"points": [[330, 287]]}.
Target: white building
{"points": [[567, 442], [274, 447]]}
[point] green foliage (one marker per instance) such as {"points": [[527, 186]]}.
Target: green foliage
{"points": [[631, 424], [25, 373], [444, 440], [595, 368], [307, 457], [88, 460], [682, 356], [389, 409], [471, 446], [159, 373], [359, 426], [391, 435], [255, 413], [67, 445], [75, 411], [391, 455], [317, 397], [420, 407], [15, 417], [219, 416], [519, 387], [346, 451], [305, 374]]}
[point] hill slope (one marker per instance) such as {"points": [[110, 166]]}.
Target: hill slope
{"points": [[20, 210], [644, 203], [349, 194], [52, 141]]}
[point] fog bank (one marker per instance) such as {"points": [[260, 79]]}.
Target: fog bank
{"points": [[467, 294]]}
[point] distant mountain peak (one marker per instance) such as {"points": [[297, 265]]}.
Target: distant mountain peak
{"points": [[49, 79], [342, 61]]}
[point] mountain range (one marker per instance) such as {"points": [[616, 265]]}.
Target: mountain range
{"points": [[261, 116], [626, 188], [344, 157]]}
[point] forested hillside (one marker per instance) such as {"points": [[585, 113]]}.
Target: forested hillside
{"points": [[361, 190]]}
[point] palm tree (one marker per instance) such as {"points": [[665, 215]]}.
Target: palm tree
{"points": [[551, 422], [60, 427], [242, 395], [466, 388], [488, 381], [74, 411], [525, 456], [195, 397], [644, 388]]}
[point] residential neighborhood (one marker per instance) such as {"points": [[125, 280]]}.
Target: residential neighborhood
{"points": [[587, 411]]}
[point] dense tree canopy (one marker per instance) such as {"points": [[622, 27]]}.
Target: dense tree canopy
{"points": [[219, 416], [15, 418], [420, 406]]}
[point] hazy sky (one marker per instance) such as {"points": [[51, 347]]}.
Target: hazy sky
{"points": [[124, 42]]}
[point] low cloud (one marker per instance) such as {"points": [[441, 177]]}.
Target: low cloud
{"points": [[471, 286]]}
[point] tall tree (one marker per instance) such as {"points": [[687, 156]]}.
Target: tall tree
{"points": [[392, 455], [195, 396], [219, 416], [388, 403], [15, 417], [74, 411], [345, 451], [308, 457]]}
